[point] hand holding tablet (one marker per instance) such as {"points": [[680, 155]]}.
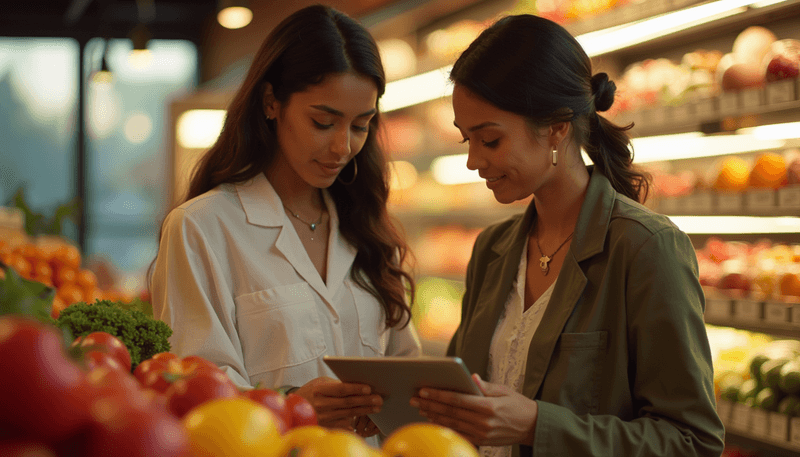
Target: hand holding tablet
{"points": [[397, 379]]}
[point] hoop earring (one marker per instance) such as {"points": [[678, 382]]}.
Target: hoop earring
{"points": [[555, 156], [355, 173]]}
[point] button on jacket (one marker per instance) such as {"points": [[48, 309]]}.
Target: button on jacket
{"points": [[234, 282], [620, 364]]}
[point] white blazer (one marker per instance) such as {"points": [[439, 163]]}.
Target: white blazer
{"points": [[234, 282]]}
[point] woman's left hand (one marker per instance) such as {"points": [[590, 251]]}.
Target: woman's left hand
{"points": [[501, 417]]}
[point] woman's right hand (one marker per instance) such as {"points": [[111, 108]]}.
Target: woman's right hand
{"points": [[339, 404]]}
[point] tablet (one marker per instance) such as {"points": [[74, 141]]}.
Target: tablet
{"points": [[397, 379]]}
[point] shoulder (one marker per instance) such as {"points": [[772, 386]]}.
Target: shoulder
{"points": [[496, 232], [634, 221], [206, 210]]}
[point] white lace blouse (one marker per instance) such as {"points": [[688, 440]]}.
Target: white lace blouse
{"points": [[508, 352]]}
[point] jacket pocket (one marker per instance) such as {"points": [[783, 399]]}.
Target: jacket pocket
{"points": [[371, 325], [279, 328], [573, 377]]}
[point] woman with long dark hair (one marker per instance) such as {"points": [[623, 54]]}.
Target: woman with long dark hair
{"points": [[283, 250], [584, 314]]}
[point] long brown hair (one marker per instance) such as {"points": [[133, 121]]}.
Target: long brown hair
{"points": [[533, 67], [300, 52]]}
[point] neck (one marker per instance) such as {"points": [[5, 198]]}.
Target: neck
{"points": [[558, 204], [293, 191]]}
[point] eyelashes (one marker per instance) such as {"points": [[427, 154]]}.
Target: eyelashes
{"points": [[488, 144], [358, 128]]}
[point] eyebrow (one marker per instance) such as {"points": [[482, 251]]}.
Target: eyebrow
{"points": [[336, 112], [479, 126]]}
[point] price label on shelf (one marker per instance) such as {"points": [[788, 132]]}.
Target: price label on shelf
{"points": [[740, 417], [717, 308], [779, 426], [795, 314], [724, 408], [781, 91], [729, 103], [747, 310], [759, 422], [794, 428], [751, 98], [761, 200], [700, 202], [789, 197], [776, 312], [729, 202], [705, 109]]}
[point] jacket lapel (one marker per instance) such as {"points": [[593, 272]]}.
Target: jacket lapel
{"points": [[500, 275], [589, 240]]}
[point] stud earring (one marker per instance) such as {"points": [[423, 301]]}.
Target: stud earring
{"points": [[555, 156]]}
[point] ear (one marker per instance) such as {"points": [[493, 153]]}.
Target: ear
{"points": [[269, 102], [558, 132]]}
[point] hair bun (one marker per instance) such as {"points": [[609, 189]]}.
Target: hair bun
{"points": [[603, 91]]}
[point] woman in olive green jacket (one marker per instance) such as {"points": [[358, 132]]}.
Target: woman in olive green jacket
{"points": [[585, 313]]}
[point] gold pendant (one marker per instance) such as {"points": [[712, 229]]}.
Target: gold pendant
{"points": [[544, 264]]}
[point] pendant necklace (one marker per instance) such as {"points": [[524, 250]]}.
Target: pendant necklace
{"points": [[544, 260], [311, 225]]}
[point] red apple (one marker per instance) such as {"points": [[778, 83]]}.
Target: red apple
{"points": [[736, 284], [783, 60], [275, 402]]}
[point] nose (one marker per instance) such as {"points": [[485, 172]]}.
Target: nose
{"points": [[475, 161], [341, 143]]}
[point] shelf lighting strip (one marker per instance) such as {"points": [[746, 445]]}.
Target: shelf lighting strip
{"points": [[435, 84], [736, 225]]}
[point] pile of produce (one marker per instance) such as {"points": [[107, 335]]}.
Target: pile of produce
{"points": [[770, 381]]}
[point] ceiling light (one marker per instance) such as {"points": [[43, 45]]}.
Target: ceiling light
{"points": [[139, 56], [103, 75], [234, 14], [199, 128]]}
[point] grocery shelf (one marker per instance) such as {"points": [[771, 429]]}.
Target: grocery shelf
{"points": [[764, 444], [782, 330]]}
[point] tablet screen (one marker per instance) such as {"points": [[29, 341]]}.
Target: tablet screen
{"points": [[397, 379]]}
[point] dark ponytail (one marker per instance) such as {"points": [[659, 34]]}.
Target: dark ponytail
{"points": [[533, 67], [609, 147]]}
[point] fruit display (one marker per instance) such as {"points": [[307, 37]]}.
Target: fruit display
{"points": [[734, 174], [168, 407], [761, 271]]}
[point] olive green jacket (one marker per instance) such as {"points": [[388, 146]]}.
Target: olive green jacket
{"points": [[620, 364]]}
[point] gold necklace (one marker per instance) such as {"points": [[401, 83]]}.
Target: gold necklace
{"points": [[311, 225], [544, 260]]}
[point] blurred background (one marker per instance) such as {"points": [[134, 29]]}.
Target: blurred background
{"points": [[105, 105]]}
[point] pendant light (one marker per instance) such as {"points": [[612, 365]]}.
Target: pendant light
{"points": [[234, 14]]}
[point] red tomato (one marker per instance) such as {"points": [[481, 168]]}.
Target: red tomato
{"points": [[106, 342], [275, 402], [193, 363], [39, 382], [302, 411], [163, 369], [94, 359], [186, 393], [104, 380], [124, 429]]}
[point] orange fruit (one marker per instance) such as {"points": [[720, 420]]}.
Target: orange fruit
{"points": [[70, 293], [58, 306], [769, 172], [790, 285], [86, 279], [733, 174], [66, 255], [338, 443], [234, 426], [16, 261], [65, 275], [298, 438], [424, 439], [41, 272], [31, 252]]}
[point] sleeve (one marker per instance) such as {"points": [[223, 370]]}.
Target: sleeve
{"points": [[670, 368], [192, 294]]}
